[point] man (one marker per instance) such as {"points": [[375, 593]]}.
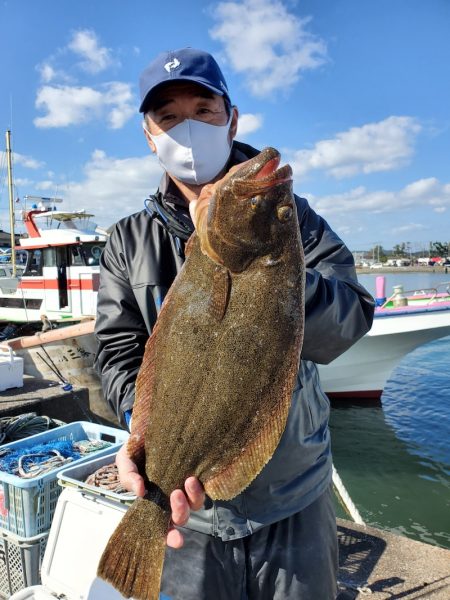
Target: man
{"points": [[276, 540]]}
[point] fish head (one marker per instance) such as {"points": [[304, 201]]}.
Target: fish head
{"points": [[250, 212]]}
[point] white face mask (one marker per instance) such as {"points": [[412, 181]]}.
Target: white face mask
{"points": [[193, 151]]}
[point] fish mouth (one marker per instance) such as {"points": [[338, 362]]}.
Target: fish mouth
{"points": [[259, 178]]}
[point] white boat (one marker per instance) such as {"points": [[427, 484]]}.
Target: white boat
{"points": [[61, 251], [8, 281], [404, 322], [61, 275]]}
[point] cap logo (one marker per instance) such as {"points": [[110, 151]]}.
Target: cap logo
{"points": [[172, 65]]}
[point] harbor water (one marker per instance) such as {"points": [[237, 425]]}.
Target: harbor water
{"points": [[394, 455]]}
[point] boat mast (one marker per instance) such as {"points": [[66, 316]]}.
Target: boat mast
{"points": [[11, 202]]}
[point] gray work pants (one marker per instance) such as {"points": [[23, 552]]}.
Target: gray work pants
{"points": [[293, 559]]}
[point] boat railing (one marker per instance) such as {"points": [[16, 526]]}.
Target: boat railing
{"points": [[85, 327], [441, 288]]}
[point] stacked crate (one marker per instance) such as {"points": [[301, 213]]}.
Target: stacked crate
{"points": [[27, 506]]}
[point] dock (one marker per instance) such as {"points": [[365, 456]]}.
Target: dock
{"points": [[380, 565], [373, 563], [47, 397]]}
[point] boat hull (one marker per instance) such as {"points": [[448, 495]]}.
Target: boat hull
{"points": [[363, 370]]}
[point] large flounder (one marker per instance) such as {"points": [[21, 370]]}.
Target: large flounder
{"points": [[215, 385]]}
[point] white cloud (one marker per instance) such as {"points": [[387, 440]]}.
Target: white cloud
{"points": [[359, 200], [114, 187], [409, 228], [421, 187], [22, 182], [47, 72], [266, 43], [248, 123], [85, 44], [71, 105], [21, 159], [381, 146], [46, 185]]}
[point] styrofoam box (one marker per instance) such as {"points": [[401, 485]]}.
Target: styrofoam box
{"points": [[27, 505], [11, 370], [75, 476]]}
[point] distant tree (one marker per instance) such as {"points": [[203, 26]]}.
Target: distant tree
{"points": [[403, 249], [439, 249], [378, 254]]}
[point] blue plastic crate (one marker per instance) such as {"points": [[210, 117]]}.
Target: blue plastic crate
{"points": [[27, 505]]}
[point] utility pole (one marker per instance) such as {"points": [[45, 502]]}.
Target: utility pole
{"points": [[376, 246]]}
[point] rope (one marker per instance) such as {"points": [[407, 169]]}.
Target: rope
{"points": [[107, 478], [51, 365], [345, 499], [66, 386], [22, 426], [364, 588], [39, 469]]}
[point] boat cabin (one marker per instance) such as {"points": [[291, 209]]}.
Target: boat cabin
{"points": [[61, 273]]}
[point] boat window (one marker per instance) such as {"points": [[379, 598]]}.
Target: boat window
{"points": [[34, 263], [21, 257], [49, 257], [92, 252], [2, 273], [76, 258]]}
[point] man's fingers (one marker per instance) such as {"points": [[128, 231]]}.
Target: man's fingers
{"points": [[175, 538], [128, 473], [194, 492], [180, 507], [133, 482]]}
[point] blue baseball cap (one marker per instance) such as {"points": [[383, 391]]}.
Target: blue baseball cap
{"points": [[186, 64]]}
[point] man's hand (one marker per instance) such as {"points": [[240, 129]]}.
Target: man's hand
{"points": [[181, 501]]}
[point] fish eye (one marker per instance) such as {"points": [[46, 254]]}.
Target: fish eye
{"points": [[284, 213], [255, 202]]}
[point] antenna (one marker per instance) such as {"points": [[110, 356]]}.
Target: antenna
{"points": [[10, 112], [11, 201]]}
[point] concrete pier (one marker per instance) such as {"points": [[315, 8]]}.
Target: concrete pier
{"points": [[380, 565], [46, 397]]}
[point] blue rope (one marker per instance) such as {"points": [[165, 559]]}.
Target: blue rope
{"points": [[40, 453]]}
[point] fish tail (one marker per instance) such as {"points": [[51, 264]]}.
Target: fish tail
{"points": [[133, 559]]}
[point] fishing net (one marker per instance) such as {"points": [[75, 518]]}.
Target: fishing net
{"points": [[31, 461]]}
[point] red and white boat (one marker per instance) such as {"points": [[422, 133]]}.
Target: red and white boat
{"points": [[404, 322], [60, 277]]}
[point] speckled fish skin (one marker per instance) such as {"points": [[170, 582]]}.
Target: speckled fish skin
{"points": [[215, 385]]}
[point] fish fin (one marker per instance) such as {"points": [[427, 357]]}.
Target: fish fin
{"points": [[142, 405], [238, 475], [220, 292], [189, 244], [145, 381], [133, 559]]}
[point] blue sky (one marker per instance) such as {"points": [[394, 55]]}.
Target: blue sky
{"points": [[354, 93]]}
